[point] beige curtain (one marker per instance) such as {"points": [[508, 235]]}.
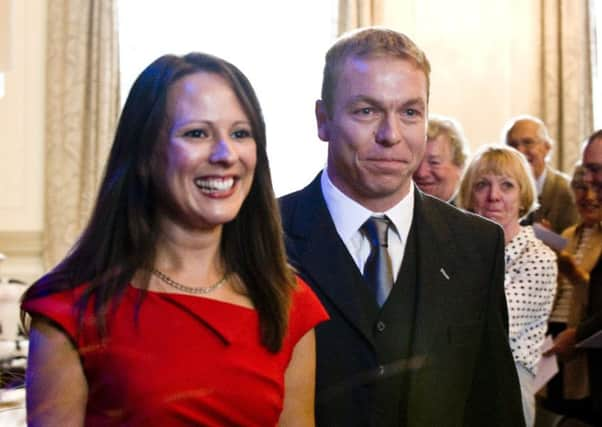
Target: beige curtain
{"points": [[82, 104], [359, 13], [566, 77]]}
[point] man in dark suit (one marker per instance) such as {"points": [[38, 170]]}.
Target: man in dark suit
{"points": [[564, 343], [420, 339], [557, 209]]}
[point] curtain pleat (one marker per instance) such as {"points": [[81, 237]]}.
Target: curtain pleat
{"points": [[566, 81], [359, 13], [82, 106]]}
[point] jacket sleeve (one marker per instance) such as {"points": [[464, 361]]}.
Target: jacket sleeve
{"points": [[590, 326]]}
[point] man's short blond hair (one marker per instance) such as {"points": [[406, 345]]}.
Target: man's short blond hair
{"points": [[367, 42]]}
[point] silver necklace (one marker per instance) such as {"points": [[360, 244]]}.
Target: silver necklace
{"points": [[204, 290]]}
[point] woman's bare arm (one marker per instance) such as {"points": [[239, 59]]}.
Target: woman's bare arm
{"points": [[56, 388], [299, 385]]}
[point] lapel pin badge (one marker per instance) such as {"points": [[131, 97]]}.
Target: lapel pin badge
{"points": [[444, 273]]}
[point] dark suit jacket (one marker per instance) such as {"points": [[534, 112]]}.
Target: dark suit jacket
{"points": [[460, 370]]}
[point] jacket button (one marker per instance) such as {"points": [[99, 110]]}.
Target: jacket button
{"points": [[380, 326]]}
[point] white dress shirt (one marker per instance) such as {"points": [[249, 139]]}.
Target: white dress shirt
{"points": [[348, 216]]}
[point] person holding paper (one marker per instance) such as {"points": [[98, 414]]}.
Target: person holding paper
{"points": [[566, 341], [568, 391], [498, 185]]}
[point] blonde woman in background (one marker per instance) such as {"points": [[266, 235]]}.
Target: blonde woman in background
{"points": [[498, 185]]}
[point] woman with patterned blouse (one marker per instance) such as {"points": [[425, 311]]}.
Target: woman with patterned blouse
{"points": [[498, 185]]}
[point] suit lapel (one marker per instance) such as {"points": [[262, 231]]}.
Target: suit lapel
{"points": [[545, 199], [437, 272], [323, 258], [328, 266]]}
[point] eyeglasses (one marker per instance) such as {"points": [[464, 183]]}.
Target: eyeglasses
{"points": [[593, 168], [526, 143], [583, 188]]}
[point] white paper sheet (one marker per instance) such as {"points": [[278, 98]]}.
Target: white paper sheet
{"points": [[547, 366], [553, 240]]}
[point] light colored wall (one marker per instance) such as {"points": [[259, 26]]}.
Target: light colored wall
{"points": [[484, 71], [483, 56], [21, 143]]}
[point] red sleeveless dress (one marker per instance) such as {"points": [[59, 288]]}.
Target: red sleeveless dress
{"points": [[183, 360]]}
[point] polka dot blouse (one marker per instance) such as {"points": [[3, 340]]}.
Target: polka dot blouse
{"points": [[530, 285]]}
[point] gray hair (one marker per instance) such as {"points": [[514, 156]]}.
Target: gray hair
{"points": [[452, 130]]}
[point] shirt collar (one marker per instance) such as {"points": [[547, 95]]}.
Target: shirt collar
{"points": [[540, 181], [348, 215]]}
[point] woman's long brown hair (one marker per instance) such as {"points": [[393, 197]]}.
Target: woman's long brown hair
{"points": [[122, 233]]}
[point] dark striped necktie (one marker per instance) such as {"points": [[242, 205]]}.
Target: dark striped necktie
{"points": [[378, 271]]}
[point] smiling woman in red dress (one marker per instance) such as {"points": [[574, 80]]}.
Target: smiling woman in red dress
{"points": [[177, 306]]}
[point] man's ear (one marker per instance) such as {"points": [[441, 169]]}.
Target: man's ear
{"points": [[547, 143], [322, 121]]}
